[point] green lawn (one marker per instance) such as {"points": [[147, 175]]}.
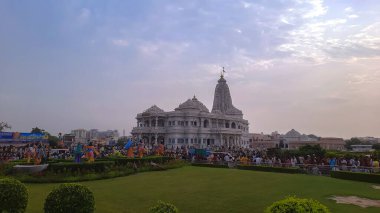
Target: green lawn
{"points": [[196, 189]]}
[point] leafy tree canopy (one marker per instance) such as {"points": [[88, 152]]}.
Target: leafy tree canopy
{"points": [[121, 141], [352, 141], [4, 125]]}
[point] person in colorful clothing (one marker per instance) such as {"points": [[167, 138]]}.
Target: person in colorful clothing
{"points": [[141, 151], [130, 149], [90, 153], [78, 153]]}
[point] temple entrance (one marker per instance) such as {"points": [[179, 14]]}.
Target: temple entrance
{"points": [[231, 141], [145, 139], [161, 140]]}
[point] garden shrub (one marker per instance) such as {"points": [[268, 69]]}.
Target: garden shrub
{"points": [[297, 205], [210, 165], [6, 168], [357, 176], [13, 196], [123, 161], [162, 207], [100, 166], [271, 169], [70, 197]]}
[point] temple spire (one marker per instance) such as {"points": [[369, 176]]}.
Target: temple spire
{"points": [[222, 99]]}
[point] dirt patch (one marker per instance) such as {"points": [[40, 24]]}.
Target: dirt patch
{"points": [[375, 187], [358, 201]]}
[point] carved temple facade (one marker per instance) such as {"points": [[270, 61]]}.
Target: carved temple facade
{"points": [[191, 124]]}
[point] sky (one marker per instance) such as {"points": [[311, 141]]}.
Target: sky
{"points": [[311, 65]]}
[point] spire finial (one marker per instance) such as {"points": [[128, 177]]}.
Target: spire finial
{"points": [[222, 73]]}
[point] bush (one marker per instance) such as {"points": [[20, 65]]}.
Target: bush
{"points": [[210, 165], [6, 168], [122, 161], [70, 197], [163, 207], [13, 196], [297, 205], [100, 166], [357, 176], [272, 169]]}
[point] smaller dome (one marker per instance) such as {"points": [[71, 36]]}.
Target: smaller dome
{"points": [[154, 110], [292, 134], [192, 104]]}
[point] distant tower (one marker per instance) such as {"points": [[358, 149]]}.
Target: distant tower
{"points": [[222, 99], [123, 132]]}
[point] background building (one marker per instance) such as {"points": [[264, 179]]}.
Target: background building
{"points": [[294, 140], [94, 135]]}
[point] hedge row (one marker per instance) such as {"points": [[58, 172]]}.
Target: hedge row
{"points": [[271, 169], [210, 165], [156, 159], [357, 176], [100, 166]]}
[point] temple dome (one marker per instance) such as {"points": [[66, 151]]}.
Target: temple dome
{"points": [[192, 104], [154, 110], [293, 134], [223, 101]]}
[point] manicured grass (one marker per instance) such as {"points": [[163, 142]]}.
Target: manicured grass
{"points": [[198, 189]]}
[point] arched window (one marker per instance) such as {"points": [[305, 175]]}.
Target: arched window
{"points": [[205, 123], [233, 125], [146, 123], [282, 144], [227, 125]]}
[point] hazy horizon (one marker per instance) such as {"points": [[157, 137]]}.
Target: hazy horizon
{"points": [[311, 65]]}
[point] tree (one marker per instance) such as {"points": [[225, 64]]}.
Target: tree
{"points": [[121, 141], [352, 141], [376, 146], [271, 152], [37, 130], [312, 149], [53, 141], [4, 125]]}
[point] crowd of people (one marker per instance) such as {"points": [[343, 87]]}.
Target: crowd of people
{"points": [[311, 163], [40, 153]]}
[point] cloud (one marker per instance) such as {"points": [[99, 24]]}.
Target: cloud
{"points": [[317, 9], [238, 31], [161, 48], [246, 4], [120, 42], [84, 15], [308, 40], [348, 9], [353, 16], [320, 39], [364, 77], [368, 37]]}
